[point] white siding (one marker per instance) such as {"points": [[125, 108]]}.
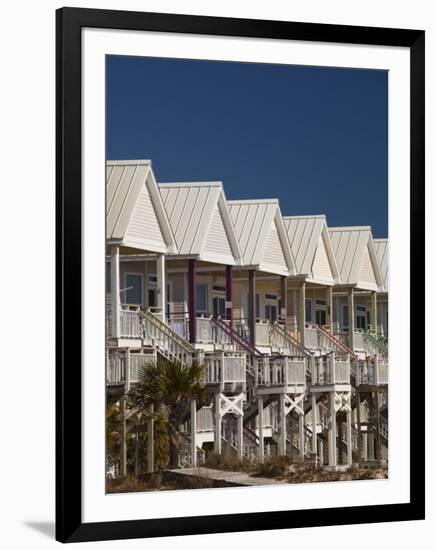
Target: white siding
{"points": [[273, 254], [321, 265], [144, 225], [217, 242], [367, 270]]}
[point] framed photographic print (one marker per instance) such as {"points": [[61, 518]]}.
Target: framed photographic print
{"points": [[240, 253]]}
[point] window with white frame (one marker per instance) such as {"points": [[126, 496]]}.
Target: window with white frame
{"points": [[201, 293], [345, 320], [271, 307], [308, 309], [152, 291], [133, 289], [361, 317], [321, 312], [219, 301]]}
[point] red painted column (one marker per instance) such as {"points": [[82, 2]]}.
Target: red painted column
{"points": [[229, 295], [192, 301], [252, 305]]}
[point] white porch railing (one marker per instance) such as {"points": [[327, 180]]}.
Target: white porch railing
{"points": [[311, 338], [125, 368], [281, 341], [130, 324], [330, 370], [372, 372], [359, 341], [280, 371], [204, 330], [223, 368], [180, 327], [262, 333]]}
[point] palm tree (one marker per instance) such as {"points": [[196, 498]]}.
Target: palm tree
{"points": [[170, 387]]}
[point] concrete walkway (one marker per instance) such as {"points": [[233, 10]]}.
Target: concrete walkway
{"points": [[229, 478]]}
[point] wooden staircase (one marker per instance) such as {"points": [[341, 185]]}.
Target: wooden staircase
{"points": [[165, 340]]}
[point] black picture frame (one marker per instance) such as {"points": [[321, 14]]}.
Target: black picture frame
{"points": [[69, 22]]}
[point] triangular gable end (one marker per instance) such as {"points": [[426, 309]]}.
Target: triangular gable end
{"points": [[321, 268], [273, 255], [144, 230], [217, 242], [367, 273]]}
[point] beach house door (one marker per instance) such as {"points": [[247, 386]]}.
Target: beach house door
{"points": [[219, 301], [320, 312], [361, 317]]}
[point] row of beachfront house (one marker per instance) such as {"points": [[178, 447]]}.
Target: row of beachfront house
{"points": [[190, 271]]}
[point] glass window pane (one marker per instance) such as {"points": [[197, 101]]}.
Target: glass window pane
{"points": [[309, 311], [133, 289], [345, 316], [152, 302], [201, 298], [257, 306], [273, 316]]}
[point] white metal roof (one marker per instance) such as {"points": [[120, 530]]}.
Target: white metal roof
{"points": [[201, 222], [135, 215], [356, 257], [262, 236], [382, 250], [309, 237]]}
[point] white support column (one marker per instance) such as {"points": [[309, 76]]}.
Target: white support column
{"points": [[260, 410], [351, 318], [194, 433], [332, 431], [123, 454], [127, 370], [218, 420], [374, 313], [370, 446], [349, 440], [301, 435], [240, 421], [302, 313], [330, 307], [282, 425], [365, 446], [115, 290], [150, 441], [161, 285], [314, 426]]}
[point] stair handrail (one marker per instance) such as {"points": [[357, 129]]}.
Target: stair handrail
{"points": [[290, 339], [151, 317], [338, 343], [245, 344], [382, 347]]}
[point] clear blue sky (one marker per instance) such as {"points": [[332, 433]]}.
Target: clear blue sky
{"points": [[316, 138]]}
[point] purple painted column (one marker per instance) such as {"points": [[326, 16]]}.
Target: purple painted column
{"points": [[252, 305], [283, 298], [229, 295], [192, 301]]}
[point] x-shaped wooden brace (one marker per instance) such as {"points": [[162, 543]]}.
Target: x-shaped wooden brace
{"points": [[343, 402], [232, 404], [291, 404]]}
